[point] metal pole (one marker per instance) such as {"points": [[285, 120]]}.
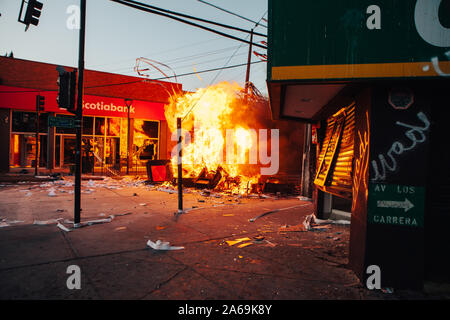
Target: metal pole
{"points": [[180, 168], [128, 141], [36, 161], [247, 76], [79, 113]]}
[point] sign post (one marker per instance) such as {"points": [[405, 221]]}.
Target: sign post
{"points": [[79, 115]]}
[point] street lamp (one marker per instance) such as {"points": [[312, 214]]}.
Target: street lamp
{"points": [[128, 103]]}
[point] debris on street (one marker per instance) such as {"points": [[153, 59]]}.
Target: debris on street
{"points": [[233, 242], [161, 245], [47, 222], [6, 223], [296, 228], [243, 245], [62, 227]]}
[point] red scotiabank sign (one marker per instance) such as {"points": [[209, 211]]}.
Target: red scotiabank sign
{"points": [[25, 99]]}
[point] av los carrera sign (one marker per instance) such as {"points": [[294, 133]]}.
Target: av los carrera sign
{"points": [[396, 205]]}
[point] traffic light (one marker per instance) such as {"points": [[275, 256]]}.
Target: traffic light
{"points": [[67, 84], [63, 90], [32, 13], [40, 102]]}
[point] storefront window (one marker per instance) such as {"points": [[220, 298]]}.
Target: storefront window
{"points": [[113, 127], [99, 126], [26, 122], [23, 150], [88, 125]]}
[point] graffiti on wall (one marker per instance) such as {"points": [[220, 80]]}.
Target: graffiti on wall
{"points": [[416, 135], [362, 163]]}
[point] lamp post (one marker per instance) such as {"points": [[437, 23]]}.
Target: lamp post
{"points": [[128, 103]]}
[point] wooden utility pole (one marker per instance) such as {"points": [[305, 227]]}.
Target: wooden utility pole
{"points": [[247, 76]]}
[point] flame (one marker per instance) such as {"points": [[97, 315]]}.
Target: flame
{"points": [[208, 115]]}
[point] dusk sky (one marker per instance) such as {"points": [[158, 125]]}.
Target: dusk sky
{"points": [[116, 35]]}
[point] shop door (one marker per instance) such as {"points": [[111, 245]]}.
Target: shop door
{"points": [[68, 151]]}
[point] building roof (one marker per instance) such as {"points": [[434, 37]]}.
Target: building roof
{"points": [[43, 76]]}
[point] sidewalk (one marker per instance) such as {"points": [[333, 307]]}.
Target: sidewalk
{"points": [[115, 262]]}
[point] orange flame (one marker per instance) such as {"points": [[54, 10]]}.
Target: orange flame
{"points": [[208, 115]]}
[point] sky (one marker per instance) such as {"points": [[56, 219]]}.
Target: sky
{"points": [[117, 35]]}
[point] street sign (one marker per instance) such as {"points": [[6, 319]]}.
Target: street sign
{"points": [[61, 122], [395, 204], [358, 39]]}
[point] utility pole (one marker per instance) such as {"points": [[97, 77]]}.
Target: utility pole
{"points": [[180, 168], [40, 102], [36, 160], [79, 114], [128, 103], [247, 76]]}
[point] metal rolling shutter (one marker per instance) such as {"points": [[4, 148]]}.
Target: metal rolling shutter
{"points": [[334, 173]]}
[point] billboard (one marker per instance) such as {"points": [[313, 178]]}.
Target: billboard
{"points": [[358, 39]]}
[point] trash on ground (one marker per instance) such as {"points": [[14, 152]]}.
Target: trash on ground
{"points": [[312, 223], [46, 222], [143, 204], [6, 223], [167, 190], [243, 245], [160, 228], [62, 227], [120, 228], [51, 192], [271, 244], [296, 228], [233, 242], [160, 245]]}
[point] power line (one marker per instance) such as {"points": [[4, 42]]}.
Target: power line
{"points": [[191, 17], [142, 8], [143, 80], [234, 14]]}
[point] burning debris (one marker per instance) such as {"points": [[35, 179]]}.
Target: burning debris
{"points": [[224, 135]]}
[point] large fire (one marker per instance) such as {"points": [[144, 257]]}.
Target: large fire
{"points": [[214, 118]]}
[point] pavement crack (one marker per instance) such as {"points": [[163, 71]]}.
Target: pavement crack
{"points": [[159, 285]]}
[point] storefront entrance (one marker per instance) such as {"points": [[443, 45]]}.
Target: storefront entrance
{"points": [[68, 151]]}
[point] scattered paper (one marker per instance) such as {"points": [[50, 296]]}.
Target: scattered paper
{"points": [[296, 228], [233, 242], [59, 225], [243, 245], [46, 222], [160, 245]]}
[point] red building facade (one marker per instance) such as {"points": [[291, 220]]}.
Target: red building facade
{"points": [[107, 140]]}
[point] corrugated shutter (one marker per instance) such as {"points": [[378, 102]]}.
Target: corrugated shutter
{"points": [[334, 173]]}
